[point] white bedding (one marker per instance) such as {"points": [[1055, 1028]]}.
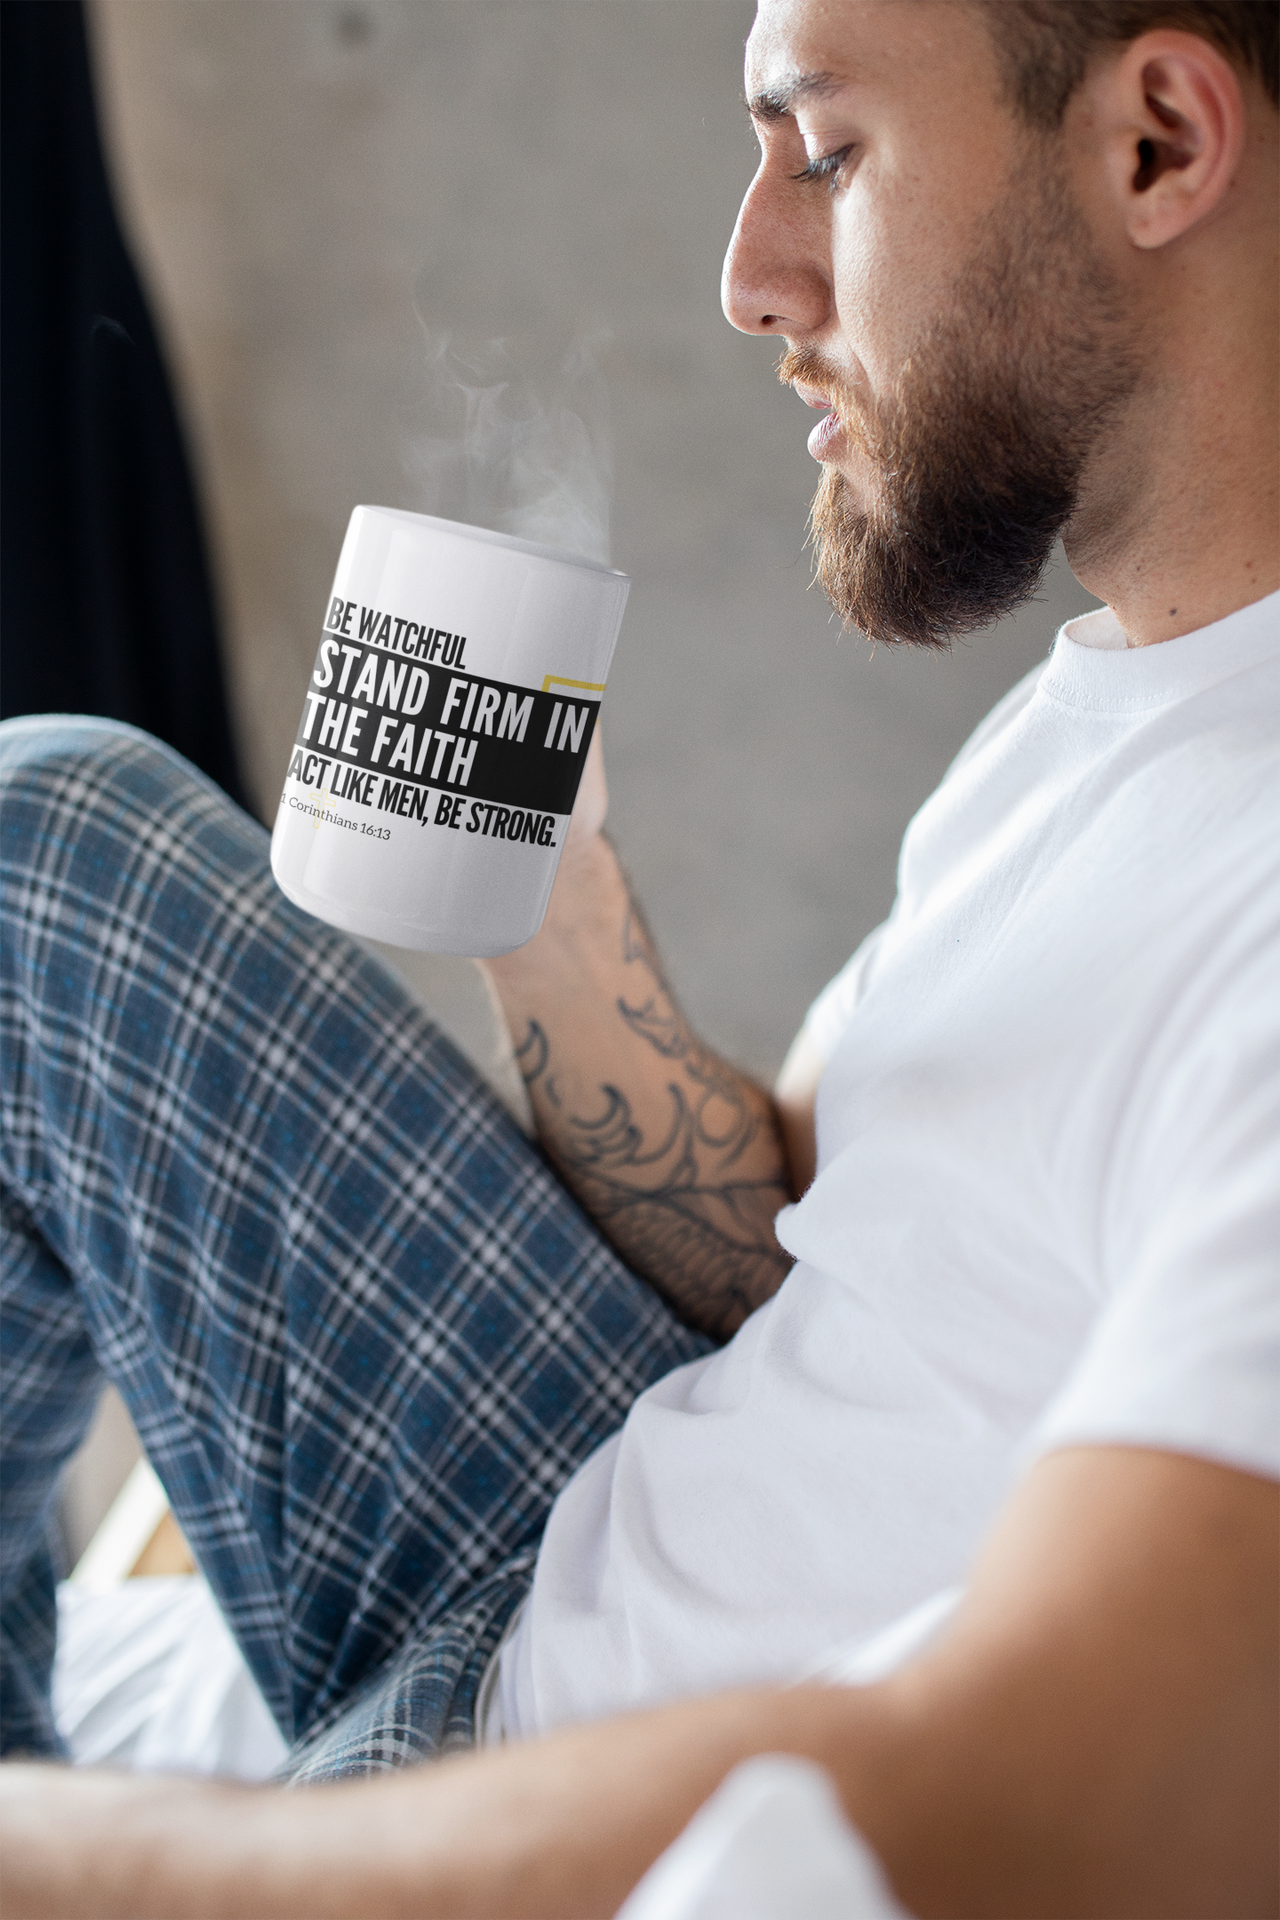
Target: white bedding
{"points": [[148, 1677]]}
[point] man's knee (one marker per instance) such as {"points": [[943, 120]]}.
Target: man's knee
{"points": [[39, 739], [85, 800], [67, 765]]}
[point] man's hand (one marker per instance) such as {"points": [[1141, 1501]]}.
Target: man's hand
{"points": [[678, 1158], [1095, 1735]]}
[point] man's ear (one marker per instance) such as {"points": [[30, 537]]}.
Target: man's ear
{"points": [[1173, 112]]}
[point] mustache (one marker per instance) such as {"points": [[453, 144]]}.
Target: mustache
{"points": [[807, 365]]}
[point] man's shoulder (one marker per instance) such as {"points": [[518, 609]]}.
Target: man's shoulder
{"points": [[1004, 716]]}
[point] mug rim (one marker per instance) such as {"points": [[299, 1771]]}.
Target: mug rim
{"points": [[487, 535]]}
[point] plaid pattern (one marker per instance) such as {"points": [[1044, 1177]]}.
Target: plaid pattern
{"points": [[364, 1333]]}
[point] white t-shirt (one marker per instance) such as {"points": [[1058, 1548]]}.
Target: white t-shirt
{"points": [[1047, 1206]]}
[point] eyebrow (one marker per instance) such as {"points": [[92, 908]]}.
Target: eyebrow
{"points": [[776, 103]]}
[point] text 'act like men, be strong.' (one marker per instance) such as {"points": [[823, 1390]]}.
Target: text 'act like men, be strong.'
{"points": [[390, 704]]}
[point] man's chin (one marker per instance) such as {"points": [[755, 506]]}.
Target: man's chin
{"points": [[859, 473], [888, 579]]}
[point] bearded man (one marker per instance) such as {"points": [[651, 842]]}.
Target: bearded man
{"points": [[456, 1462]]}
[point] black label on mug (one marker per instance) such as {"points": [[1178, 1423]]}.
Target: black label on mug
{"points": [[395, 717]]}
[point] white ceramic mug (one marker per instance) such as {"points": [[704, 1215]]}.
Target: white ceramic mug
{"points": [[444, 733]]}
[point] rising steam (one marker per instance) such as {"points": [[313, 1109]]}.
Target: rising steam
{"points": [[517, 440]]}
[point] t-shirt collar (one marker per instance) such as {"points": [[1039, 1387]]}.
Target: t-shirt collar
{"points": [[1093, 665]]}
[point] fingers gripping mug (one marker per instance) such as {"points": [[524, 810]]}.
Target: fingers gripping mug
{"points": [[444, 733]]}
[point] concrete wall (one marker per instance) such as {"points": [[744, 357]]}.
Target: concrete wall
{"points": [[300, 178]]}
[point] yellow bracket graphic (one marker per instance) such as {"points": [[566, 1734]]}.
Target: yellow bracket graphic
{"points": [[587, 686]]}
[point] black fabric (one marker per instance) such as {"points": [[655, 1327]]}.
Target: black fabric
{"points": [[106, 604]]}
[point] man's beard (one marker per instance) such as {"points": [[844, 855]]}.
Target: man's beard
{"points": [[978, 452]]}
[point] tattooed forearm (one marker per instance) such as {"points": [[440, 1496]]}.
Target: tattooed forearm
{"points": [[689, 1198], [657, 1019]]}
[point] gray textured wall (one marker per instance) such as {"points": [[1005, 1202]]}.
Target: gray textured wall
{"points": [[297, 174]]}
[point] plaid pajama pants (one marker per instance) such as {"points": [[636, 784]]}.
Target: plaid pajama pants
{"points": [[364, 1333]]}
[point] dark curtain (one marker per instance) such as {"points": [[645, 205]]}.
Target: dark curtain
{"points": [[106, 602]]}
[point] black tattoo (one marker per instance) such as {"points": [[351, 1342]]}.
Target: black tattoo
{"points": [[532, 1054], [682, 1210]]}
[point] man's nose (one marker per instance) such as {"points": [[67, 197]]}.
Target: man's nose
{"points": [[775, 280]]}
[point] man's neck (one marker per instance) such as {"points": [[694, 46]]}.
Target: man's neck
{"points": [[1179, 521], [1180, 525]]}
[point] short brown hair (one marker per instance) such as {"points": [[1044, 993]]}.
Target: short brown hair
{"points": [[1046, 45]]}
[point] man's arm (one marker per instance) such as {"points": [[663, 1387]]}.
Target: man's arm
{"points": [[678, 1158], [1096, 1734]]}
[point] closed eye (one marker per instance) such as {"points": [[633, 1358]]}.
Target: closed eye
{"points": [[826, 166]]}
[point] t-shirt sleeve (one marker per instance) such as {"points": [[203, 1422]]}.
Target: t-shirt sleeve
{"points": [[831, 1012], [1185, 1354], [824, 1024]]}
